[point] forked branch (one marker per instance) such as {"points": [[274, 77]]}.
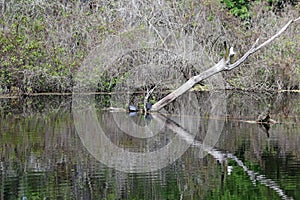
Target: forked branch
{"points": [[255, 48], [222, 65]]}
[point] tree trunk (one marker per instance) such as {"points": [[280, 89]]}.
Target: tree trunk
{"points": [[189, 84]]}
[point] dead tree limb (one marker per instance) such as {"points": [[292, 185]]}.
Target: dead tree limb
{"points": [[222, 65]]}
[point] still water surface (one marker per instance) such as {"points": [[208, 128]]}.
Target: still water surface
{"points": [[44, 156]]}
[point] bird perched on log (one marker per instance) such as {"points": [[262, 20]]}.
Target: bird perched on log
{"points": [[132, 108], [148, 106], [264, 117]]}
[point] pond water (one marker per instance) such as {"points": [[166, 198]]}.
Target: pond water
{"points": [[200, 147]]}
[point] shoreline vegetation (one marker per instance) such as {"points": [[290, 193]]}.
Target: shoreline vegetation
{"points": [[13, 96], [43, 44], [282, 106]]}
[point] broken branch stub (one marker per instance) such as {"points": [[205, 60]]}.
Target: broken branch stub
{"points": [[222, 65]]}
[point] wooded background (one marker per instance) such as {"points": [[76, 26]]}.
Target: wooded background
{"points": [[42, 43]]}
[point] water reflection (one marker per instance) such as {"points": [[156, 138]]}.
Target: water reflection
{"points": [[42, 155], [178, 131]]}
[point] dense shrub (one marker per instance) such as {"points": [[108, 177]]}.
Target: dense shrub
{"points": [[42, 43]]}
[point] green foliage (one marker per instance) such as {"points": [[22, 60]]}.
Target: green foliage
{"points": [[26, 62], [239, 8]]}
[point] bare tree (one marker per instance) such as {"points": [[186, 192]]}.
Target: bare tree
{"points": [[222, 65]]}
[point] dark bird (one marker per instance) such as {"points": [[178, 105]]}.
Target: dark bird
{"points": [[148, 106], [264, 117]]}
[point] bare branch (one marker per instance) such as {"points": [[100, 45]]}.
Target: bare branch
{"points": [[222, 65], [243, 58], [189, 84], [254, 48]]}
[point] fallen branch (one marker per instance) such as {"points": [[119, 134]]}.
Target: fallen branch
{"points": [[222, 65]]}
